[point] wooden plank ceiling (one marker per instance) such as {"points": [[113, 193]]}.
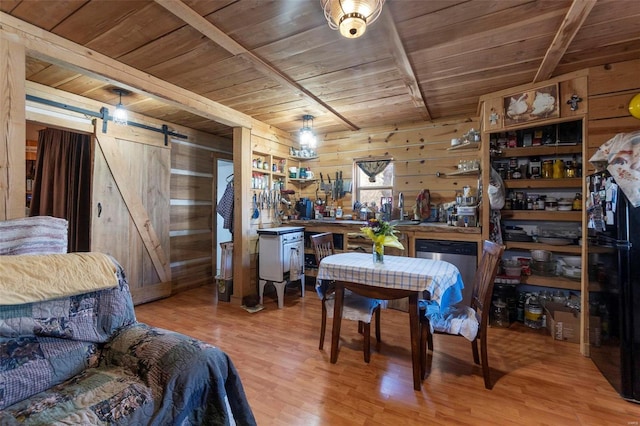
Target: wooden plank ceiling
{"points": [[277, 60]]}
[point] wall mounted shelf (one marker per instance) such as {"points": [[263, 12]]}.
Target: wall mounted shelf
{"points": [[470, 145]]}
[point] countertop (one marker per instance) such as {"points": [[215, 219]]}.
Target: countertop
{"points": [[355, 224]]}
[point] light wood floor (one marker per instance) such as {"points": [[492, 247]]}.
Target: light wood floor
{"points": [[288, 381]]}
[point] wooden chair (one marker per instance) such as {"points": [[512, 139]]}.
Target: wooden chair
{"points": [[480, 306], [355, 307]]}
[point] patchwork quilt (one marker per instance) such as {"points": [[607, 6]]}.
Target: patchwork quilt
{"points": [[84, 359]]}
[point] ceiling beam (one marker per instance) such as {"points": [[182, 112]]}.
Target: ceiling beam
{"points": [[49, 47], [576, 15], [404, 65], [213, 33]]}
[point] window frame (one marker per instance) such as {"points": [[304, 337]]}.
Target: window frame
{"points": [[358, 173]]}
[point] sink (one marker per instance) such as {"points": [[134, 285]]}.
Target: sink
{"points": [[404, 222]]}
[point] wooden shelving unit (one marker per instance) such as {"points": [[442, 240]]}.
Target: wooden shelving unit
{"points": [[269, 176], [568, 249], [542, 150], [575, 183], [561, 216], [553, 282]]}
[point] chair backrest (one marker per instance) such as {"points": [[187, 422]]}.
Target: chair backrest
{"points": [[484, 278], [322, 245]]}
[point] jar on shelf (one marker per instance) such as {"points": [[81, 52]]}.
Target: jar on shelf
{"points": [[500, 314], [533, 312], [547, 169], [558, 169]]}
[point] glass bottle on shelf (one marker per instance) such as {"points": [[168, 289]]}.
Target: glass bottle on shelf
{"points": [[578, 165], [570, 170], [577, 202]]}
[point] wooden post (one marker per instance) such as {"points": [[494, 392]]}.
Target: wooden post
{"points": [[12, 129], [241, 218]]}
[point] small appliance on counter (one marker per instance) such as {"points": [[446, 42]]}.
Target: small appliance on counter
{"points": [[466, 214]]}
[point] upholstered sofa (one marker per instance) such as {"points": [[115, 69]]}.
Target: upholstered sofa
{"points": [[72, 352]]}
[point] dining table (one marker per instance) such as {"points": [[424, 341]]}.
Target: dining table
{"points": [[395, 278]]}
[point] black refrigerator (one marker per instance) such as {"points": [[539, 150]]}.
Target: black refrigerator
{"points": [[614, 284]]}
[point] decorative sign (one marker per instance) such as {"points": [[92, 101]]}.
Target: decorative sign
{"points": [[536, 104]]}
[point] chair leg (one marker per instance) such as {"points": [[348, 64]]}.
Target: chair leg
{"points": [[485, 362], [367, 341], [323, 325], [474, 349], [360, 327], [378, 339], [423, 349]]}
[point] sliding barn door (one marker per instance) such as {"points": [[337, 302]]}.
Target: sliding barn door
{"points": [[130, 212]]}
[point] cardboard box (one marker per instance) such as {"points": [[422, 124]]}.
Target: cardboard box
{"points": [[563, 323]]}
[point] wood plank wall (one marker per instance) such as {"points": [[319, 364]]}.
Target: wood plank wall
{"points": [[192, 213], [611, 87], [419, 152]]}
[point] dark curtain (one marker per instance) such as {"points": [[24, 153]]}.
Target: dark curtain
{"points": [[61, 187]]}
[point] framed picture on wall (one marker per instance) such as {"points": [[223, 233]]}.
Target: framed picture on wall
{"points": [[531, 105]]}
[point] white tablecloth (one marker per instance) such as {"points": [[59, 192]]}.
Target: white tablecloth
{"points": [[440, 278]]}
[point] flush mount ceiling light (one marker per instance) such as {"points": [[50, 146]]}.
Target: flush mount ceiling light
{"points": [[307, 136], [351, 17], [120, 115]]}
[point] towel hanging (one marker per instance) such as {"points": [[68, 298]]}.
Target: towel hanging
{"points": [[294, 264]]}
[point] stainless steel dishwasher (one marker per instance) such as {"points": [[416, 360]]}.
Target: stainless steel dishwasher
{"points": [[462, 254]]}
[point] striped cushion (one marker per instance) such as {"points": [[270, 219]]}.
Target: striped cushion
{"points": [[34, 235]]}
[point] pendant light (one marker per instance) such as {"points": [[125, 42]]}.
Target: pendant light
{"points": [[120, 115], [307, 136], [351, 17]]}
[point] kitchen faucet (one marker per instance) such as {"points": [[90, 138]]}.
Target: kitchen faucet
{"points": [[401, 205]]}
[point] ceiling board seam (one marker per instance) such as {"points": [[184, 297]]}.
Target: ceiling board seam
{"points": [[200, 23]]}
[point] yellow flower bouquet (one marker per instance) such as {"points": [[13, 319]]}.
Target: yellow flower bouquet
{"points": [[382, 234]]}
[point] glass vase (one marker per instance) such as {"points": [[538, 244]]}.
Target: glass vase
{"points": [[378, 253]]}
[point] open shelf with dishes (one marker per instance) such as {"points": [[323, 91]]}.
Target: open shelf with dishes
{"points": [[466, 145], [268, 171], [303, 181], [307, 158], [464, 172]]}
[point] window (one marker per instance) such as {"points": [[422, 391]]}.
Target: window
{"points": [[373, 192]]}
